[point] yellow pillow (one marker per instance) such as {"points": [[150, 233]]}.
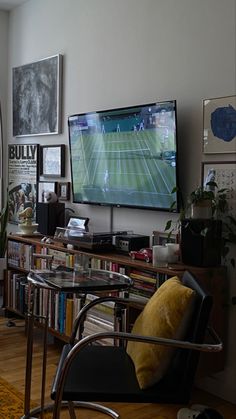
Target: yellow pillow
{"points": [[165, 315]]}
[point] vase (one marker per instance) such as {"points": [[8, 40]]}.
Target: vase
{"points": [[201, 210]]}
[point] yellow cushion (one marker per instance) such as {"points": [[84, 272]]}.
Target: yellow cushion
{"points": [[165, 315]]}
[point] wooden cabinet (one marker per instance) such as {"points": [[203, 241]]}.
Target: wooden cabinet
{"points": [[146, 277]]}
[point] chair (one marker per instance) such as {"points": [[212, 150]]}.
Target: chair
{"points": [[90, 372]]}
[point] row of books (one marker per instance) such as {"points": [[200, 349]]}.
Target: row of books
{"points": [[17, 291], [19, 254]]}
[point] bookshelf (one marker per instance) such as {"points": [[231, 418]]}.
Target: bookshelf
{"points": [[146, 279]]}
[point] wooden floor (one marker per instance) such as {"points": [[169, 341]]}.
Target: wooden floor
{"points": [[12, 369]]}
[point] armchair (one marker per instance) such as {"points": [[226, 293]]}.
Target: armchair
{"points": [[90, 372]]}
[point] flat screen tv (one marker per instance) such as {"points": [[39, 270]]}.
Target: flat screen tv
{"points": [[125, 157]]}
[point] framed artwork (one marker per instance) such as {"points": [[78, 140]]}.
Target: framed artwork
{"points": [[37, 97], [224, 174], [52, 160], [44, 187], [159, 237], [23, 177], [219, 125], [63, 191]]}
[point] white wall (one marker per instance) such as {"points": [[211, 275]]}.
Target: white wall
{"points": [[3, 77], [126, 52]]}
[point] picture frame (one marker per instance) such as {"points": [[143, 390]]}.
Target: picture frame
{"points": [[159, 237], [22, 179], [52, 160], [224, 174], [63, 191], [36, 101], [44, 187], [219, 115]]}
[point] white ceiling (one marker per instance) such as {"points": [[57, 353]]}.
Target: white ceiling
{"points": [[10, 4]]}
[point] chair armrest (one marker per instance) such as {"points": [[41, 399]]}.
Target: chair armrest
{"points": [[78, 323]]}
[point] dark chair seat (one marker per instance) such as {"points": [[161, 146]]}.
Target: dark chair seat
{"points": [[107, 370]]}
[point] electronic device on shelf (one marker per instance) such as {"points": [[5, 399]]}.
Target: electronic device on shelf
{"points": [[87, 240], [128, 242], [125, 157]]}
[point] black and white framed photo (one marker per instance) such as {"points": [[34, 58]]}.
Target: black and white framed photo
{"points": [[63, 191], [223, 173], [44, 188], [37, 97], [52, 160], [22, 176], [219, 122]]}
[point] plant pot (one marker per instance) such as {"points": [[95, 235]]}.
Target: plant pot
{"points": [[198, 249], [201, 210]]}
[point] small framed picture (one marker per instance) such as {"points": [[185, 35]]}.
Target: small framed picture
{"points": [[159, 237], [223, 173], [63, 191], [44, 187], [52, 160], [219, 116]]}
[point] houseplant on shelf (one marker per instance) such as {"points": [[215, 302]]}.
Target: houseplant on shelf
{"points": [[206, 228]]}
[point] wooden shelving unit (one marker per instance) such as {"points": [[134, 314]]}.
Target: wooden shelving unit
{"points": [[212, 278]]}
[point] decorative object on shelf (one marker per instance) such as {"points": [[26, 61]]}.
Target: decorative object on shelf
{"points": [[50, 197], [64, 191], [44, 187], [52, 160], [142, 254], [22, 177], [223, 173], [219, 128], [26, 226], [160, 237], [37, 97]]}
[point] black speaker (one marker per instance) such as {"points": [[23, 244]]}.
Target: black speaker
{"points": [[201, 242], [50, 216]]}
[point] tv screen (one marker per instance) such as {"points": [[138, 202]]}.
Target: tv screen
{"points": [[125, 157]]}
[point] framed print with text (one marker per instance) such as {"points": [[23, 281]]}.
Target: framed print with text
{"points": [[219, 125], [37, 97], [23, 176], [224, 174], [52, 160]]}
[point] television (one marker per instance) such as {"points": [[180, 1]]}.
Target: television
{"points": [[125, 157]]}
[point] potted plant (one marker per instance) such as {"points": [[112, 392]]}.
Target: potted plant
{"points": [[205, 234]]}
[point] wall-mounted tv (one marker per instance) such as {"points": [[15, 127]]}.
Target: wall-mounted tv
{"points": [[125, 157]]}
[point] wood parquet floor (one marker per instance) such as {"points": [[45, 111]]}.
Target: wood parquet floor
{"points": [[12, 369]]}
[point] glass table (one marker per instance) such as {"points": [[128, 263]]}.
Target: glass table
{"points": [[82, 283]]}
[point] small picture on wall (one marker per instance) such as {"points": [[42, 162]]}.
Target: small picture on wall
{"points": [[224, 175], [63, 191], [219, 125], [52, 160]]}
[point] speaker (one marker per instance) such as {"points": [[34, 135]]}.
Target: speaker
{"points": [[49, 217], [201, 242]]}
